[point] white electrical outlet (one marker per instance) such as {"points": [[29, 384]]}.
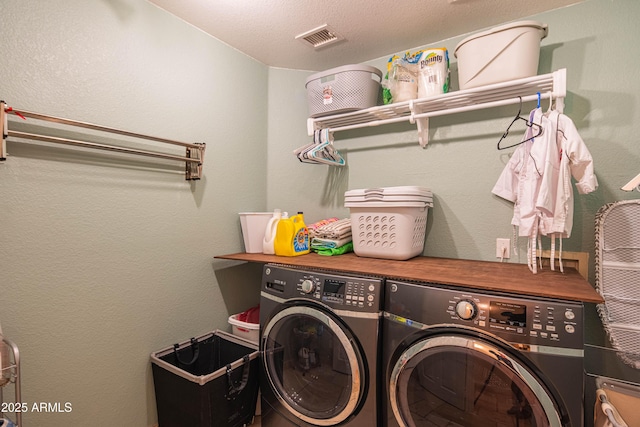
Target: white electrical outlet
{"points": [[503, 247]]}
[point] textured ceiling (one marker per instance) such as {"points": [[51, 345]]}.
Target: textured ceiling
{"points": [[266, 29]]}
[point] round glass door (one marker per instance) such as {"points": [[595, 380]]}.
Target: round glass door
{"points": [[312, 365], [464, 381]]}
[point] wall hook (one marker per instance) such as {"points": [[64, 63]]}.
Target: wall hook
{"points": [[634, 183]]}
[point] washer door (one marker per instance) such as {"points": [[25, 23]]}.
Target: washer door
{"points": [[313, 365], [467, 381]]}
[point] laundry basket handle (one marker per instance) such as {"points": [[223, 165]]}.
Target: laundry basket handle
{"points": [[195, 350], [235, 390]]}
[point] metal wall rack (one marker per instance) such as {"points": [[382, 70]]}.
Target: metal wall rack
{"points": [[546, 86], [13, 368], [193, 159]]}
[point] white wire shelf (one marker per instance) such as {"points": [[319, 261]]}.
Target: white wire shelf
{"points": [[545, 86]]}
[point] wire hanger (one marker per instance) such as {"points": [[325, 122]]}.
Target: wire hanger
{"points": [[528, 123]]}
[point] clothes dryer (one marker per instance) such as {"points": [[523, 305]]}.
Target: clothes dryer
{"points": [[319, 348], [460, 357]]}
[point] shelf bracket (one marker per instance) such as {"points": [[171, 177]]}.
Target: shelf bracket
{"points": [[422, 123], [423, 131], [560, 88], [311, 127]]}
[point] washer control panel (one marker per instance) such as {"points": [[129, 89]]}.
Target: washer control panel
{"points": [[514, 318], [336, 291], [542, 320]]}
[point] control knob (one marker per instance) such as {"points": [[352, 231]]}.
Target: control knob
{"points": [[466, 310], [307, 286]]}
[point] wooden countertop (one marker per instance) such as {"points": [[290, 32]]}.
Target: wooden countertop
{"points": [[495, 276]]}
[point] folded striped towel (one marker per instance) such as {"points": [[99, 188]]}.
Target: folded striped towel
{"points": [[334, 230], [314, 227]]}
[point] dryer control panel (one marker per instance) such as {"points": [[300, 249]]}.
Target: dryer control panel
{"points": [[514, 318], [336, 291]]}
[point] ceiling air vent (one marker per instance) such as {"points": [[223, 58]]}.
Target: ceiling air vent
{"points": [[320, 37]]}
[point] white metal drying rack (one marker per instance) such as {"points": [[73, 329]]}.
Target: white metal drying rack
{"points": [[418, 111], [13, 368], [194, 152]]}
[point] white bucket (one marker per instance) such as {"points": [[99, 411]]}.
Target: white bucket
{"points": [[500, 54], [254, 225]]}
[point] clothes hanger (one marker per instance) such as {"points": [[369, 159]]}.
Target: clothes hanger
{"points": [[550, 103], [528, 123], [325, 152], [321, 150], [301, 152]]}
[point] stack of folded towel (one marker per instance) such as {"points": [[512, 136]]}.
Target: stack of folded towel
{"points": [[313, 227], [331, 237]]}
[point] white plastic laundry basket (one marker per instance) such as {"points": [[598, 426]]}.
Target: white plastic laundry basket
{"points": [[389, 222], [245, 330]]}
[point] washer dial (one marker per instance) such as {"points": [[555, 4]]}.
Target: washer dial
{"points": [[307, 286], [466, 310]]}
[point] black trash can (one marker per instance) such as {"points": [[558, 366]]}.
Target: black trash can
{"points": [[209, 381]]}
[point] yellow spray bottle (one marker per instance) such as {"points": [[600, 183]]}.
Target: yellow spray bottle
{"points": [[292, 236]]}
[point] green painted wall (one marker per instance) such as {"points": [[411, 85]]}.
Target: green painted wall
{"points": [[106, 259]]}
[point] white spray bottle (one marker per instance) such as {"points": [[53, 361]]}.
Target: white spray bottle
{"points": [[270, 233]]}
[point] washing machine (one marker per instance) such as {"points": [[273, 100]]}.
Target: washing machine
{"points": [[458, 357], [320, 348]]}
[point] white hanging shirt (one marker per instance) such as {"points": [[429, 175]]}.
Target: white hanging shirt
{"points": [[576, 162], [537, 179], [522, 180]]}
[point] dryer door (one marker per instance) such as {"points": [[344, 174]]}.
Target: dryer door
{"points": [[313, 365], [469, 381]]}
